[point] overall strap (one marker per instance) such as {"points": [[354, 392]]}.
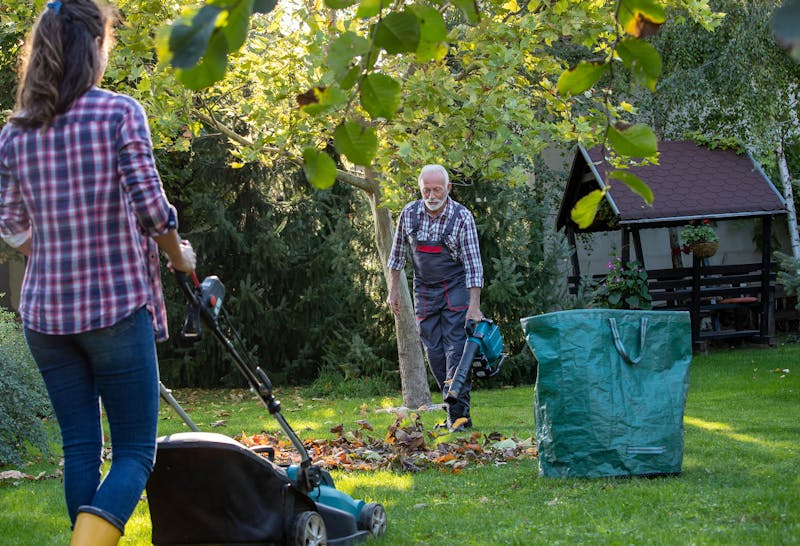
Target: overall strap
{"points": [[415, 218], [453, 217]]}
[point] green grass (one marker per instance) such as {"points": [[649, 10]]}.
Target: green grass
{"points": [[740, 482]]}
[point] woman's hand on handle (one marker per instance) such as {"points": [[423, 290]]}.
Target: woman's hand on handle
{"points": [[179, 252], [187, 260]]}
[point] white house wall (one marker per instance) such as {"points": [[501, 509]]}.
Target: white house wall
{"points": [[736, 246]]}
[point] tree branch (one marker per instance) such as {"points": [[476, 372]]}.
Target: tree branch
{"points": [[341, 175]]}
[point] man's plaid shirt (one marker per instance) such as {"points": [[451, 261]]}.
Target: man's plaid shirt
{"points": [[462, 242]]}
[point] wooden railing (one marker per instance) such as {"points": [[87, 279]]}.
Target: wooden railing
{"points": [[725, 301]]}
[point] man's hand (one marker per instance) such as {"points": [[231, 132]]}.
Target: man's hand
{"points": [[393, 301], [474, 309], [474, 314]]}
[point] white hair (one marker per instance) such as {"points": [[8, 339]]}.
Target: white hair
{"points": [[432, 168]]}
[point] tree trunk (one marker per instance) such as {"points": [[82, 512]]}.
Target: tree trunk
{"points": [[788, 194], [413, 374], [675, 248]]}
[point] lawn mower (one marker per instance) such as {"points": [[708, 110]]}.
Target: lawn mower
{"points": [[207, 488], [482, 357]]}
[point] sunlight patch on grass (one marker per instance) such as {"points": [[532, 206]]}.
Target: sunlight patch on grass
{"points": [[728, 431], [388, 403], [371, 480]]}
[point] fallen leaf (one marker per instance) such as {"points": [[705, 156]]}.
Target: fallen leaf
{"points": [[15, 475]]}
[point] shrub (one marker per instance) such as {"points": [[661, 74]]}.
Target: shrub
{"points": [[624, 287], [24, 403], [699, 233]]}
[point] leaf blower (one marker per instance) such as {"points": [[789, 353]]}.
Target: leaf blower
{"points": [[483, 355]]}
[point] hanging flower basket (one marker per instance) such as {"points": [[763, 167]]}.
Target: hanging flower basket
{"points": [[704, 250]]}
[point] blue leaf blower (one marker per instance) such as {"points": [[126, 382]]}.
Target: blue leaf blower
{"points": [[483, 355]]}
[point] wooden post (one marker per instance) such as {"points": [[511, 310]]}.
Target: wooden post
{"points": [[766, 303], [695, 308], [637, 247], [625, 245], [576, 266]]}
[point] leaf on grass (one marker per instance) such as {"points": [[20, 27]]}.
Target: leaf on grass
{"points": [[365, 425], [14, 475], [460, 422], [404, 448]]}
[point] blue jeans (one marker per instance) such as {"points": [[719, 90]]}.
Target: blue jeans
{"points": [[118, 365]]}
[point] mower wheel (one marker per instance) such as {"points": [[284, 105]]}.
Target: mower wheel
{"points": [[309, 530], [373, 518]]}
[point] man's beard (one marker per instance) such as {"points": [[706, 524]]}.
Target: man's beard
{"points": [[435, 204]]}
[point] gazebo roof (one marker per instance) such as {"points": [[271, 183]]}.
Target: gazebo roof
{"points": [[690, 182]]}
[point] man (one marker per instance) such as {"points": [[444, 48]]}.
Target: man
{"points": [[448, 276]]}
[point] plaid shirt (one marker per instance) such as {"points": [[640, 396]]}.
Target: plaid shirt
{"points": [[88, 188], [462, 242]]}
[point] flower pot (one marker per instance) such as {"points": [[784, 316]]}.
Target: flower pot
{"points": [[704, 250]]}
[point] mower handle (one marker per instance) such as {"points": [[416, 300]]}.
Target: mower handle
{"points": [[308, 476]]}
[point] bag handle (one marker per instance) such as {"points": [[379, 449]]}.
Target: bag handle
{"points": [[621, 348]]}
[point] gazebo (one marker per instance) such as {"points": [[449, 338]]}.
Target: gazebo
{"points": [[690, 183]]}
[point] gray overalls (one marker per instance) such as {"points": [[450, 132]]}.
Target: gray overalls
{"points": [[441, 299]]}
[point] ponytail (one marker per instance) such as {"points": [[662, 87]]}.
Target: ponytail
{"points": [[61, 60]]}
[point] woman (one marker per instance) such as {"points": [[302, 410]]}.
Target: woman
{"points": [[80, 195]]}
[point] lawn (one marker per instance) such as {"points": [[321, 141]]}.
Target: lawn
{"points": [[740, 482]]}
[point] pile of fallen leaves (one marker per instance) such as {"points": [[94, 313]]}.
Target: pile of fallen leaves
{"points": [[407, 446], [16, 476]]}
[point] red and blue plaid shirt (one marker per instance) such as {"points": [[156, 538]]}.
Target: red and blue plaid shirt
{"points": [[88, 189], [462, 242]]}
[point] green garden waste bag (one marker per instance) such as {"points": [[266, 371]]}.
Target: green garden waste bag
{"points": [[610, 391]]}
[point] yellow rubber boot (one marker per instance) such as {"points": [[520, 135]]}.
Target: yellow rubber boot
{"points": [[91, 530]]}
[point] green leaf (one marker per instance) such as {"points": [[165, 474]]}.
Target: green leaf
{"points": [[344, 49], [580, 78], [433, 34], [380, 96], [339, 4], [368, 8], [641, 18], [264, 6], [210, 69], [237, 24], [432, 27], [358, 143], [398, 33], [635, 183], [470, 9], [642, 60], [188, 43], [586, 208], [633, 141], [350, 77], [326, 99], [320, 169]]}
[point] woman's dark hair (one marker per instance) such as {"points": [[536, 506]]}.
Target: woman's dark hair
{"points": [[61, 60]]}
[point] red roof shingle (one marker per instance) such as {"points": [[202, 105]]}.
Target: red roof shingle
{"points": [[689, 182]]}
